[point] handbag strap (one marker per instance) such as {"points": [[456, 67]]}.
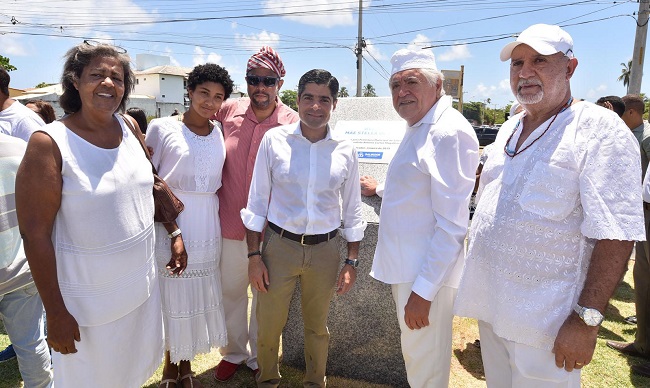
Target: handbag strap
{"points": [[138, 135]]}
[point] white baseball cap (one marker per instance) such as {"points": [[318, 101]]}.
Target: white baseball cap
{"points": [[543, 38], [406, 59]]}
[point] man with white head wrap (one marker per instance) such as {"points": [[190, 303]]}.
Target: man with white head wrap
{"points": [[424, 214]]}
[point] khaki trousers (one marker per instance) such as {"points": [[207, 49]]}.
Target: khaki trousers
{"points": [[242, 333], [317, 268], [641, 273]]}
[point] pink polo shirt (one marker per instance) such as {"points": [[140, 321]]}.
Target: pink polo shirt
{"points": [[242, 133]]}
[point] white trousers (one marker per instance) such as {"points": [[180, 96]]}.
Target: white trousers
{"points": [[509, 364], [427, 351], [242, 333]]}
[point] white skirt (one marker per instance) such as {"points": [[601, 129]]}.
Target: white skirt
{"points": [[192, 307], [122, 353]]}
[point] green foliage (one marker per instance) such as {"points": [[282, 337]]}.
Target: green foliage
{"points": [[626, 71], [4, 63], [473, 111], [289, 98], [369, 91], [43, 85], [343, 92]]}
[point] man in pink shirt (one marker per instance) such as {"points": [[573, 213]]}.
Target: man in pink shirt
{"points": [[245, 121]]}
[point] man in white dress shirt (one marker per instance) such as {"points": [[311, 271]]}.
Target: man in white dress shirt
{"points": [[302, 172], [558, 212], [424, 215]]}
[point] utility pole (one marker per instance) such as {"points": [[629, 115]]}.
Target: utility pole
{"points": [[636, 72], [359, 50]]}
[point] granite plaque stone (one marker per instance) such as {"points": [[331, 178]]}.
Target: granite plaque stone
{"points": [[364, 332]]}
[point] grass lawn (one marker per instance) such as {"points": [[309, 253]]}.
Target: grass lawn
{"points": [[607, 370]]}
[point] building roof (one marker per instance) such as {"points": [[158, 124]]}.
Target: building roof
{"points": [[166, 69]]}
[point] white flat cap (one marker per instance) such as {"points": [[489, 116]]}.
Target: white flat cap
{"points": [[406, 59], [543, 38]]}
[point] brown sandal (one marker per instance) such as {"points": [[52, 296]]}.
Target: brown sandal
{"points": [[165, 383], [192, 379]]}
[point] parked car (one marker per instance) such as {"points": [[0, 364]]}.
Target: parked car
{"points": [[486, 134]]}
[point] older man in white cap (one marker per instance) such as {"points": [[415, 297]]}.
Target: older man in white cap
{"points": [[424, 214], [559, 211]]}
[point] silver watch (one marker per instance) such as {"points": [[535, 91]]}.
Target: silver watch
{"points": [[590, 316]]}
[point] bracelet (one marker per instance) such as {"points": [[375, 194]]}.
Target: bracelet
{"points": [[174, 233], [251, 254]]}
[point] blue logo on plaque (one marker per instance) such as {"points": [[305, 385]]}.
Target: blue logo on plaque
{"points": [[370, 155]]}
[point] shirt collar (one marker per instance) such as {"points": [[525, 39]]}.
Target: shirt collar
{"points": [[433, 115], [297, 131]]}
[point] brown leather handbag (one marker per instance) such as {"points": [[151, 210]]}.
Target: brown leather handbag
{"points": [[167, 205]]}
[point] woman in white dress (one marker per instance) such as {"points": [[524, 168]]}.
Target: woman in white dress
{"points": [[189, 152], [85, 208]]}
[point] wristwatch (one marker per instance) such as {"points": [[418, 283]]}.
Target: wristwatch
{"points": [[353, 262], [590, 316]]}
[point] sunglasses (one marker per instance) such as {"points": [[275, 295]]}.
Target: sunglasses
{"points": [[254, 80]]}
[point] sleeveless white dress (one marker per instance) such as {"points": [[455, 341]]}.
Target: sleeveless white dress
{"points": [[103, 238], [192, 303]]}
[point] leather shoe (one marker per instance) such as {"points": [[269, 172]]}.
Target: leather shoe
{"points": [[626, 348], [225, 370], [641, 369]]}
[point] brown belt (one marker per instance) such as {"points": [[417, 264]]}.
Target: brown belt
{"points": [[303, 239]]}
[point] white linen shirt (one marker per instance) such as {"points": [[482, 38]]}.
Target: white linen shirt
{"points": [[298, 185], [539, 217], [424, 210]]}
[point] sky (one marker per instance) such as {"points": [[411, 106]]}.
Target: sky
{"points": [[310, 34]]}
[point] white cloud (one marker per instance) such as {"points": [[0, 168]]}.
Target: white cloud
{"points": [[200, 57], [374, 51], [419, 42], [460, 51], [254, 42], [499, 94], [11, 46], [597, 92], [323, 13], [172, 59]]}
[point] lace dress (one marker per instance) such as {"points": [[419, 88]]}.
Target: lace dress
{"points": [[192, 308]]}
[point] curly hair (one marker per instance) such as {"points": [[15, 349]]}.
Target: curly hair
{"points": [[210, 73], [76, 60]]}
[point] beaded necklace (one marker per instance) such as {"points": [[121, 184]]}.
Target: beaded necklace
{"points": [[513, 153]]}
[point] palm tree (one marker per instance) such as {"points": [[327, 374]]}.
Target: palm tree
{"points": [[369, 91], [344, 92], [625, 74]]}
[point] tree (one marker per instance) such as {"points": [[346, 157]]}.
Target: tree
{"points": [[369, 91], [289, 98], [43, 85], [4, 63], [344, 92], [625, 74], [472, 111]]}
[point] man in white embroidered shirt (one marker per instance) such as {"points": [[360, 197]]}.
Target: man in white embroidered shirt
{"points": [[558, 212], [424, 215], [301, 173]]}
